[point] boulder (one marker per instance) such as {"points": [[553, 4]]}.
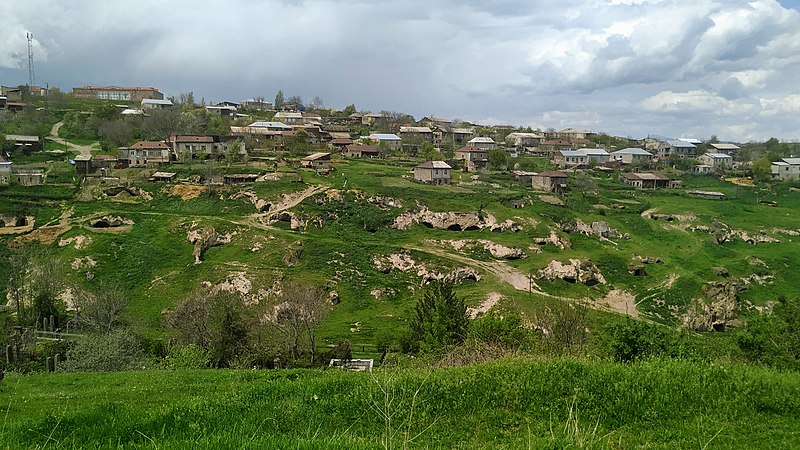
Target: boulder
{"points": [[576, 271], [204, 239]]}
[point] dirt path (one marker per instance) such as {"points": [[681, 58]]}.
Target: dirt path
{"points": [[491, 300], [295, 198], [82, 149], [504, 272]]}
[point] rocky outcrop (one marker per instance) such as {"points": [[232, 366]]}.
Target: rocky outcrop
{"points": [[718, 311], [385, 203], [403, 262], [597, 229], [453, 221], [260, 204], [205, 238], [127, 191], [553, 239], [723, 233], [110, 222], [80, 242], [498, 251], [294, 252], [576, 271]]}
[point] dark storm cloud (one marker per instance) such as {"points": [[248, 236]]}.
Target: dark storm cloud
{"points": [[631, 67]]}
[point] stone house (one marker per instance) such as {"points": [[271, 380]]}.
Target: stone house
{"points": [[676, 147], [319, 161], [393, 141], [146, 153], [522, 140], [717, 161], [728, 149], [552, 181], [5, 171], [152, 103], [485, 143], [787, 169], [433, 172], [462, 135], [24, 142], [474, 158], [644, 180], [631, 155], [362, 151], [417, 134]]}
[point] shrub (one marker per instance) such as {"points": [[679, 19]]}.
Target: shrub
{"points": [[633, 340], [117, 351], [507, 331], [191, 356], [440, 318]]}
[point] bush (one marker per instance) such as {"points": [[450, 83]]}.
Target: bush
{"points": [[440, 318], [634, 340], [191, 356], [118, 351], [773, 339], [507, 331]]}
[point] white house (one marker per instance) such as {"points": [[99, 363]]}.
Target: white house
{"points": [[716, 161], [786, 169], [486, 143], [392, 140], [152, 103], [631, 155]]}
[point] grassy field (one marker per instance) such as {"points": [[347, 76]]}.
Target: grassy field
{"points": [[344, 233], [505, 404]]}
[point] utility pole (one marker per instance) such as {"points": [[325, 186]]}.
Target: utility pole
{"points": [[31, 78]]}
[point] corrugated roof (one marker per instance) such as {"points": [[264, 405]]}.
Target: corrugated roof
{"points": [[434, 165], [471, 149], [718, 155], [632, 151], [149, 145], [316, 156], [572, 153], [415, 130], [384, 137], [153, 101], [264, 124], [792, 161], [482, 140], [552, 174], [680, 144]]}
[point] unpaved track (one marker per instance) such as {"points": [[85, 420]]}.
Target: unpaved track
{"points": [[82, 149]]}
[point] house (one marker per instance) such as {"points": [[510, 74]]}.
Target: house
{"points": [[259, 104], [164, 177], [552, 181], [362, 151], [416, 133], [131, 94], [433, 172], [573, 133], [392, 140], [717, 161], [474, 157], [578, 158], [95, 164], [222, 111], [29, 177], [486, 143], [297, 117], [270, 126], [728, 149], [152, 103], [631, 155], [132, 112], [198, 146], [521, 140], [550, 146], [146, 153], [702, 169], [649, 180], [231, 104], [676, 147], [462, 135], [435, 122], [5, 171], [25, 143], [339, 143], [319, 161], [523, 177], [372, 118], [3, 101], [787, 169]]}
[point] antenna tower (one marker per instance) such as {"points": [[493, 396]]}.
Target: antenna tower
{"points": [[31, 79]]}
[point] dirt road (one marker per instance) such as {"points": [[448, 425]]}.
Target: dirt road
{"points": [[82, 149]]}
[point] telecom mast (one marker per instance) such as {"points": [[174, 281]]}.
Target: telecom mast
{"points": [[31, 79]]}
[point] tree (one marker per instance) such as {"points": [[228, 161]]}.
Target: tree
{"points": [[583, 183], [18, 265], [440, 318], [302, 309], [317, 103], [762, 169], [45, 286], [101, 310], [498, 159], [279, 100], [232, 151], [348, 110], [214, 320]]}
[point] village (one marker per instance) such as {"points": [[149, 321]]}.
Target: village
{"points": [[257, 130]]}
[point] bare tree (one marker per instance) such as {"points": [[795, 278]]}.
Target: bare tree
{"points": [[19, 261], [317, 103], [101, 310], [302, 309], [567, 327]]}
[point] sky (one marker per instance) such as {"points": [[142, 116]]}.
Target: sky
{"points": [[679, 68]]}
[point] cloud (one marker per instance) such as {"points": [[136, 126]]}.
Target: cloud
{"points": [[620, 66]]}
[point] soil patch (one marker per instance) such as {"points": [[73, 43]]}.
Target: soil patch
{"points": [[491, 300], [186, 191]]}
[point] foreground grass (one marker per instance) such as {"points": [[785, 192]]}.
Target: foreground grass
{"points": [[506, 404]]}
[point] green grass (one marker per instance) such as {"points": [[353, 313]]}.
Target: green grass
{"points": [[505, 404]]}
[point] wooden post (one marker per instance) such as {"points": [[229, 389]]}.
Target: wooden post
{"points": [[9, 354], [50, 367], [52, 323], [56, 361]]}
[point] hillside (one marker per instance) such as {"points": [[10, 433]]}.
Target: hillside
{"points": [[373, 236], [505, 404]]}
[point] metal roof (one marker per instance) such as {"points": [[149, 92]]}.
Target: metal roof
{"points": [[415, 130], [718, 155], [384, 136], [482, 140], [263, 124], [434, 165], [792, 161], [572, 153], [153, 101], [721, 146], [632, 151], [680, 144]]}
